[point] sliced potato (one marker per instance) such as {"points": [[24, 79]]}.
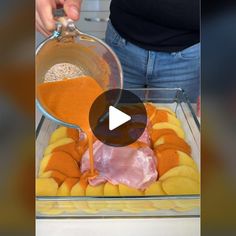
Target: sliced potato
{"points": [[187, 203], [179, 185], [64, 132], [185, 171], [43, 165], [58, 134], [173, 120], [111, 190], [186, 160], [46, 187], [125, 190], [155, 189], [63, 190], [58, 176], [77, 190], [95, 190], [66, 187]]}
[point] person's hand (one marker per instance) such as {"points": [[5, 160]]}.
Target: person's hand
{"points": [[44, 16]]}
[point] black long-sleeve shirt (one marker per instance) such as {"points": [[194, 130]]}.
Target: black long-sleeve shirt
{"points": [[161, 25]]}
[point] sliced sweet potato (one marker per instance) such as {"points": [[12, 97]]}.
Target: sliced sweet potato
{"points": [[169, 110], [155, 134], [166, 160], [49, 149], [165, 125], [62, 162], [168, 146], [173, 140]]}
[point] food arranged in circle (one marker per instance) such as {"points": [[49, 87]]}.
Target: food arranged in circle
{"points": [[158, 163]]}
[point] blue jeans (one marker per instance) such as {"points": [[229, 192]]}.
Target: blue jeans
{"points": [[144, 68]]}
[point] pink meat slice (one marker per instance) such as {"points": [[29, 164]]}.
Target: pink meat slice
{"points": [[134, 167], [145, 137]]}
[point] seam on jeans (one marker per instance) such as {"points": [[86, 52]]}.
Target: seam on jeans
{"points": [[150, 65]]}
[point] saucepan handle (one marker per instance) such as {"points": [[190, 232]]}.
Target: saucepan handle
{"points": [[63, 23]]}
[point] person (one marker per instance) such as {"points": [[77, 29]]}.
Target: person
{"points": [[157, 42]]}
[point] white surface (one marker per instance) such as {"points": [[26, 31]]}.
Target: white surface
{"points": [[38, 116], [117, 118], [119, 227], [88, 21], [95, 5]]}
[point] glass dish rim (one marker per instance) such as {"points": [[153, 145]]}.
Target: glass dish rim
{"points": [[118, 198]]}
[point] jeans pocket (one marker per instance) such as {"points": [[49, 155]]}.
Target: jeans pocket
{"points": [[192, 52], [112, 36]]}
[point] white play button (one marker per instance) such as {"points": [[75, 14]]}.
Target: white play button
{"points": [[117, 118]]}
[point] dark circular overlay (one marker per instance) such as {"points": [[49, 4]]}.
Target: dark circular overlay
{"points": [[125, 101]]}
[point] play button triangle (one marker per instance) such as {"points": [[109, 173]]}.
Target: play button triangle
{"points": [[117, 118]]}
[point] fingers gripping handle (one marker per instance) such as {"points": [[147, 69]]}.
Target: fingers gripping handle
{"points": [[62, 20]]}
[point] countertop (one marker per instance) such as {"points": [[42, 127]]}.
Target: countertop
{"points": [[117, 227]]}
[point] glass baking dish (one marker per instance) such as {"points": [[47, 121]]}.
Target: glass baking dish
{"points": [[135, 206]]}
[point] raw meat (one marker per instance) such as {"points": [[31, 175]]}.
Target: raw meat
{"points": [[134, 167]]}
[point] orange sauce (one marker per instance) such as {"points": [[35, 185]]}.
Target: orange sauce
{"points": [[58, 176], [166, 160], [138, 144], [178, 142], [166, 146], [156, 134], [81, 147], [73, 133], [84, 178], [160, 116], [70, 100], [64, 163], [71, 149], [150, 109]]}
